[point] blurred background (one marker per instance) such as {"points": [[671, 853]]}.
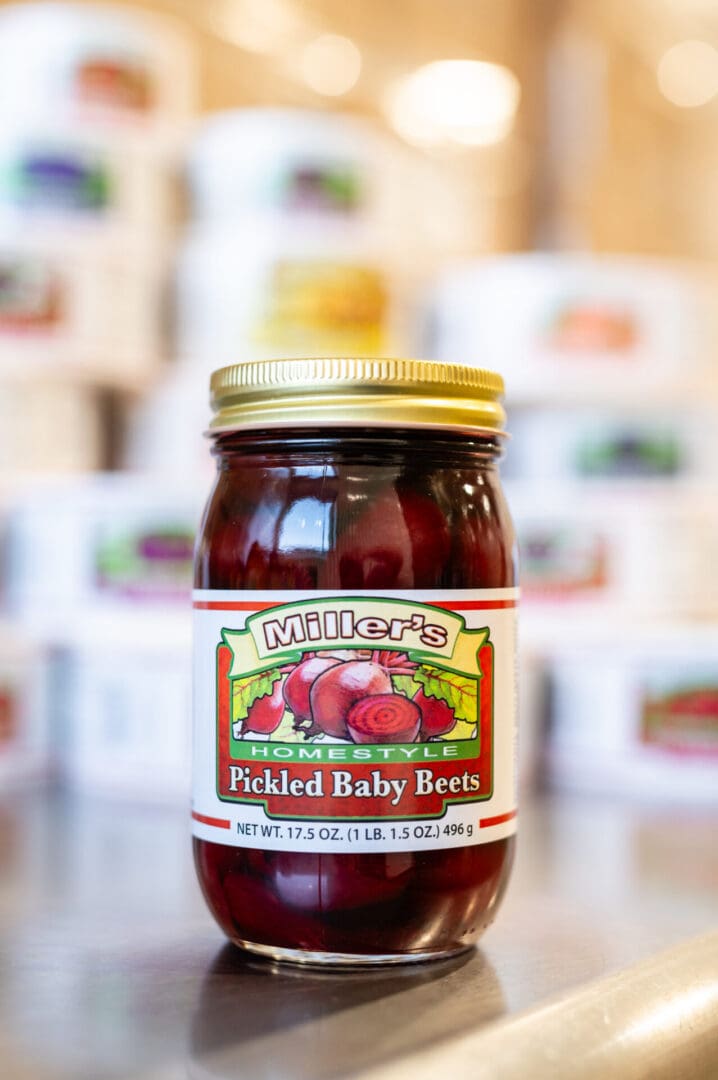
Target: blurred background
{"points": [[525, 185]]}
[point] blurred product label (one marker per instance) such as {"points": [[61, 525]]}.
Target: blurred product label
{"points": [[682, 721], [24, 732], [31, 296], [320, 188], [588, 443], [8, 715], [636, 712], [592, 327], [334, 305], [563, 561], [49, 180], [629, 454], [149, 565], [106, 81]]}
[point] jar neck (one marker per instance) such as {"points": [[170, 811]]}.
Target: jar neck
{"points": [[378, 445]]}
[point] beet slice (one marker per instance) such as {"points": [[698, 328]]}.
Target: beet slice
{"points": [[384, 718]]}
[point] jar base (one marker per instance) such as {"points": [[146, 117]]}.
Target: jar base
{"points": [[309, 958]]}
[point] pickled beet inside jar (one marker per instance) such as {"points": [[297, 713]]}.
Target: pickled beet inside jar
{"points": [[355, 613]]}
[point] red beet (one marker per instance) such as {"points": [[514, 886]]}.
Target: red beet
{"points": [[334, 692], [223, 557], [374, 549], [437, 718], [299, 683], [485, 541], [429, 533], [384, 718], [375, 569], [302, 881], [265, 714]]}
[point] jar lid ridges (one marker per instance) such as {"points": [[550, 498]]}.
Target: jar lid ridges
{"points": [[323, 371], [356, 390]]}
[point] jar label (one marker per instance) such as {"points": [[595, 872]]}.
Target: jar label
{"points": [[353, 722]]}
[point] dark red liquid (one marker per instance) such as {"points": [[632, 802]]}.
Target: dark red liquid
{"points": [[342, 510]]}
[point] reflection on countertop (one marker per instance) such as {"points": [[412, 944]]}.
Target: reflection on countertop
{"points": [[111, 967], [295, 1024]]}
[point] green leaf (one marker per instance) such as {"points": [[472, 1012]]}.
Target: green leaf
{"points": [[405, 684], [246, 691], [458, 691]]}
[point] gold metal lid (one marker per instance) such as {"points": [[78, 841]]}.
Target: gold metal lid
{"points": [[355, 392]]}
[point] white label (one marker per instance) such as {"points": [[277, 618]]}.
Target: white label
{"points": [[352, 722]]}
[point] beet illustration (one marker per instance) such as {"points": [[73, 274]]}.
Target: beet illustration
{"points": [[333, 693], [437, 718], [384, 718], [299, 683], [265, 713]]}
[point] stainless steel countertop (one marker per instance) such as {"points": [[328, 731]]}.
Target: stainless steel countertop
{"points": [[111, 966]]}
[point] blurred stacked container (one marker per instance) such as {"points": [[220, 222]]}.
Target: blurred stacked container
{"points": [[297, 248], [613, 400], [94, 109]]}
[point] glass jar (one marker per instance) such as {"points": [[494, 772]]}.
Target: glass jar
{"points": [[354, 792]]}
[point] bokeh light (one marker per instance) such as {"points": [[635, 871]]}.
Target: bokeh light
{"points": [[464, 102], [331, 65], [688, 74]]}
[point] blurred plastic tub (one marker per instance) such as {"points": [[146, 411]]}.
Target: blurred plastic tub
{"points": [[637, 714], [95, 65], [263, 288], [166, 426], [122, 699], [49, 426], [532, 717], [603, 447], [54, 178], [24, 745], [577, 328], [645, 553], [109, 543], [294, 163], [85, 307]]}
